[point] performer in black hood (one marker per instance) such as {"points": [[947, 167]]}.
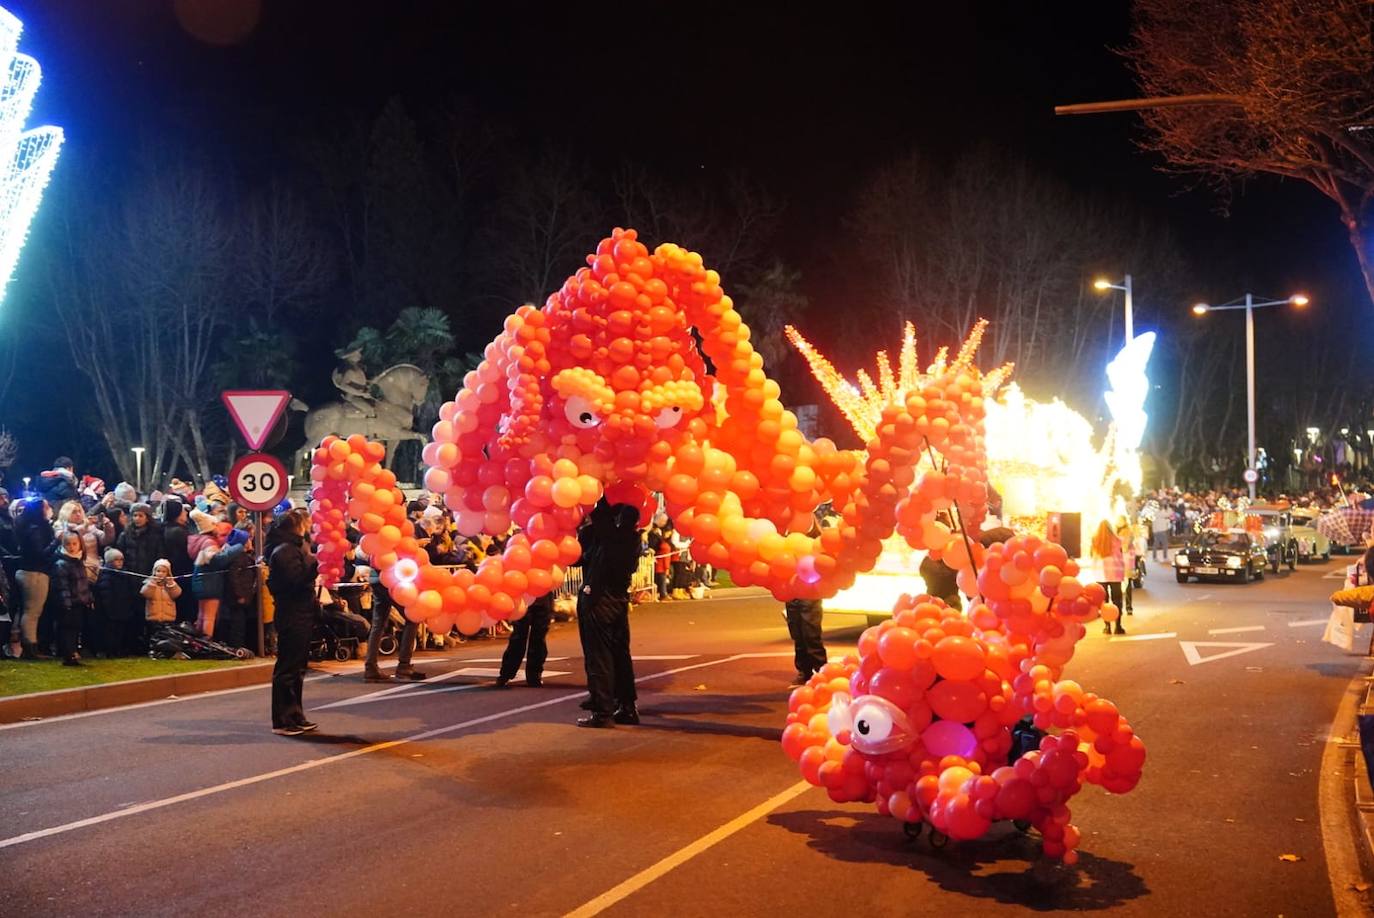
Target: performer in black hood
{"points": [[610, 555]]}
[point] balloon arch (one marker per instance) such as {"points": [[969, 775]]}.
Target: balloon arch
{"points": [[604, 391]]}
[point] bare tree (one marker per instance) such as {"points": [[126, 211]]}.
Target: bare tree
{"points": [[1296, 82], [541, 236], [283, 262]]}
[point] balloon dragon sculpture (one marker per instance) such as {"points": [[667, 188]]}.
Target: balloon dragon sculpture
{"points": [[606, 392]]}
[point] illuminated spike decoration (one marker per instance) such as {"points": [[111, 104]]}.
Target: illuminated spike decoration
{"points": [[28, 156]]}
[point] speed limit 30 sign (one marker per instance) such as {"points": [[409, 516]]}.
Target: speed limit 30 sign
{"points": [[258, 481]]}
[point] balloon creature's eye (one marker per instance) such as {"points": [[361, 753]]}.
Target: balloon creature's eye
{"points": [[668, 417], [872, 723], [580, 413]]}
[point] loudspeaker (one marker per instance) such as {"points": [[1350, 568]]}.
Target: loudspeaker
{"points": [[1065, 529]]}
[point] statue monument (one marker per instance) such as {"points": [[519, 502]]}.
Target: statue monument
{"points": [[381, 408]]}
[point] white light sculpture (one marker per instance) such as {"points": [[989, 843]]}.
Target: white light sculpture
{"points": [[28, 156], [1130, 386]]}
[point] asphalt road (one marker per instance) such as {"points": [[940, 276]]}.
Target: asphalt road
{"points": [[452, 798]]}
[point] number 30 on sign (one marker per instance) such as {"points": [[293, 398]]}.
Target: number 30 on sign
{"points": [[258, 481]]}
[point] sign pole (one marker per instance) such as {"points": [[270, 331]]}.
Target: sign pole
{"points": [[261, 582]]}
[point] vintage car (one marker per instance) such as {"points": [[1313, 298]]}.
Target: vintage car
{"points": [[1231, 554], [1276, 526], [1312, 545]]}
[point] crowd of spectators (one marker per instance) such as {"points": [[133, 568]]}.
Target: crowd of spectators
{"points": [[91, 571], [1187, 510]]}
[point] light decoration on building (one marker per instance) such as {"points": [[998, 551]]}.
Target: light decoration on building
{"points": [[28, 155], [1041, 455]]}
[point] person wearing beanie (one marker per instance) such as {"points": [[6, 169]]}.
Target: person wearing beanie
{"points": [[126, 492], [240, 574], [175, 540], [73, 598], [116, 629]]}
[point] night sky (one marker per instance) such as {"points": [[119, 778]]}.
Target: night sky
{"points": [[807, 104]]}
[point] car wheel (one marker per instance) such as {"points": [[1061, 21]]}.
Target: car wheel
{"points": [[1245, 574], [1181, 578], [1293, 556], [1327, 555]]}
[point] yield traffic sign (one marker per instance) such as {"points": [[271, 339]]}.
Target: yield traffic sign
{"points": [[255, 412]]}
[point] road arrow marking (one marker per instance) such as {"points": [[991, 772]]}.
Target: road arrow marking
{"points": [[1337, 574], [1190, 650], [1238, 630]]}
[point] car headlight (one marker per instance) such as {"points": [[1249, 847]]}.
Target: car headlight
{"points": [[1233, 561], [1181, 560]]}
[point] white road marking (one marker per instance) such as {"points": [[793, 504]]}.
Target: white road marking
{"points": [[1307, 622], [665, 656], [418, 689], [1238, 630], [1190, 650], [681, 856], [1203, 598], [327, 760], [1339, 573], [1144, 637]]}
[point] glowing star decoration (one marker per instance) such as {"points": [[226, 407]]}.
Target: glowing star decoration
{"points": [[1130, 385], [29, 156]]}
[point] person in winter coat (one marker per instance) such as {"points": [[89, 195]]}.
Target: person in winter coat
{"points": [[291, 580], [33, 531], [160, 592], [116, 629], [240, 586], [58, 484], [9, 547], [75, 601], [176, 544], [610, 555], [141, 541]]}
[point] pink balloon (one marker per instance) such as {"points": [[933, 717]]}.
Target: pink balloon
{"points": [[946, 737]]}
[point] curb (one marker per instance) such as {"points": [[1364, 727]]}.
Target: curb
{"points": [[134, 691], [1346, 801]]}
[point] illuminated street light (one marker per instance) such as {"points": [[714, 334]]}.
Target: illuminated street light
{"points": [[1102, 284], [138, 475], [1250, 306]]}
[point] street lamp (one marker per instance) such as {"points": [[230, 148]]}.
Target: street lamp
{"points": [[1103, 284], [1250, 306], [138, 475]]}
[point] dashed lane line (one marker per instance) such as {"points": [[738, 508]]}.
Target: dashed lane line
{"points": [[1143, 637], [1308, 622], [1241, 629]]}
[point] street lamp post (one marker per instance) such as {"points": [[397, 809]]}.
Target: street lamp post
{"points": [[138, 473], [1250, 305], [1125, 286]]}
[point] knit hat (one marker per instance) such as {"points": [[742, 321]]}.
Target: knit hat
{"points": [[237, 537], [141, 507], [205, 523], [112, 555], [126, 492], [162, 562]]}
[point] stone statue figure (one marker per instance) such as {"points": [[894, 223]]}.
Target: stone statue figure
{"points": [[380, 408]]}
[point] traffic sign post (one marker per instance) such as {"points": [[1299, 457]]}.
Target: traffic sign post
{"points": [[257, 481], [1250, 476]]}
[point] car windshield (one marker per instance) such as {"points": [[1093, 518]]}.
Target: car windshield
{"points": [[1227, 541]]}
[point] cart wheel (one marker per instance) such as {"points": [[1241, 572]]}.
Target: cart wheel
{"points": [[1021, 825], [387, 645], [938, 839], [243, 653], [913, 829], [343, 653]]}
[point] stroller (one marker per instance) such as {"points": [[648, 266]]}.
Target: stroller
{"points": [[181, 641], [339, 631]]}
